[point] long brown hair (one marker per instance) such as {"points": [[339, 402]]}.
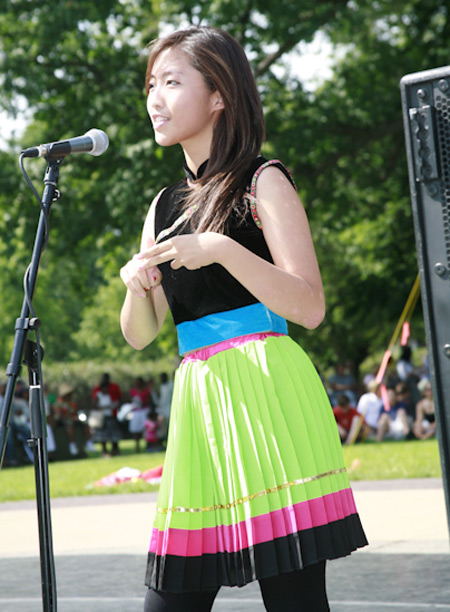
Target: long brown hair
{"points": [[239, 131]]}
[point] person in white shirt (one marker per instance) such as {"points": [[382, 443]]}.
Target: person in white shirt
{"points": [[370, 405]]}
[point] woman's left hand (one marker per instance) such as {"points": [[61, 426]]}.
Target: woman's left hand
{"points": [[191, 251]]}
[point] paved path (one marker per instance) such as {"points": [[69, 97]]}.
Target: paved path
{"points": [[100, 550]]}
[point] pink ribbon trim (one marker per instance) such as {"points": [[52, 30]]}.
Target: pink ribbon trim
{"points": [[256, 530], [204, 354]]}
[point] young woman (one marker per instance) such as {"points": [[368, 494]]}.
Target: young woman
{"points": [[254, 484]]}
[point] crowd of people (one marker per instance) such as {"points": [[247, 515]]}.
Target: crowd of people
{"points": [[399, 407], [111, 415]]}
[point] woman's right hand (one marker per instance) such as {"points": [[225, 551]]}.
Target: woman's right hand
{"points": [[138, 279]]}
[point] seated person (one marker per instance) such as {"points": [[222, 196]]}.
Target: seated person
{"points": [[19, 433], [425, 423], [343, 381], [403, 393], [393, 423], [65, 414], [151, 432], [103, 420], [347, 419], [370, 406]]}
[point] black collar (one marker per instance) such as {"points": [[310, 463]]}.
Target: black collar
{"points": [[200, 172]]}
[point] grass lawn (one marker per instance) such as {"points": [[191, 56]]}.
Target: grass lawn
{"points": [[367, 461], [76, 477], [389, 460]]}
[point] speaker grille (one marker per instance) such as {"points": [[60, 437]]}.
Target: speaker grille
{"points": [[443, 127]]}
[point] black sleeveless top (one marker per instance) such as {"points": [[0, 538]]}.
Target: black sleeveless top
{"points": [[192, 294]]}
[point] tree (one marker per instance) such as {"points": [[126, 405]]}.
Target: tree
{"points": [[82, 66]]}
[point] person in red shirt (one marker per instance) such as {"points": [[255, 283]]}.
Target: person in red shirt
{"points": [[113, 390], [141, 390], [347, 418]]}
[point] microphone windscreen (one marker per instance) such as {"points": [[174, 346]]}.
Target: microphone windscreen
{"points": [[100, 141]]}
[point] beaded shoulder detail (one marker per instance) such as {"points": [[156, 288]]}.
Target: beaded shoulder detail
{"points": [[252, 190], [270, 162]]}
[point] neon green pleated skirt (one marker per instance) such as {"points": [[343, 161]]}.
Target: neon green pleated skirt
{"points": [[254, 482]]}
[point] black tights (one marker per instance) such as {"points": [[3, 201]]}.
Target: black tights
{"points": [[300, 591]]}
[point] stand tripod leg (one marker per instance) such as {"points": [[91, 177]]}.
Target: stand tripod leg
{"points": [[38, 444]]}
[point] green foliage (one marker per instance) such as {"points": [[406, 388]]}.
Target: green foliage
{"points": [[81, 64], [99, 332]]}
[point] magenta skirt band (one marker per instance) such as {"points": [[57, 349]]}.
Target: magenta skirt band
{"points": [[204, 354]]}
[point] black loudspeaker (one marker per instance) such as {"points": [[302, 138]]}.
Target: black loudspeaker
{"points": [[426, 116]]}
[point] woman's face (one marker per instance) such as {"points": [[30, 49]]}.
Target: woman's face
{"points": [[181, 107]]}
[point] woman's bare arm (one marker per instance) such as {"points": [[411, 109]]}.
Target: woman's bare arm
{"points": [[145, 306]]}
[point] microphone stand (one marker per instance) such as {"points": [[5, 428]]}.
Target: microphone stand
{"points": [[31, 354]]}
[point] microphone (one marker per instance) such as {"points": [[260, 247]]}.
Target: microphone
{"points": [[94, 142]]}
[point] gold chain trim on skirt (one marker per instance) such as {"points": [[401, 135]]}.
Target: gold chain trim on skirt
{"points": [[247, 498]]}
